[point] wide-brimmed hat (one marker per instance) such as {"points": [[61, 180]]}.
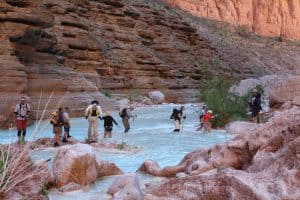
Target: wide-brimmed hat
{"points": [[254, 91], [95, 102], [210, 111]]}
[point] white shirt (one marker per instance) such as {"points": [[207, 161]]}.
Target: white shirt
{"points": [[87, 111], [22, 110]]}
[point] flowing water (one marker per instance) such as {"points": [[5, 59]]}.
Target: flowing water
{"points": [[151, 130]]}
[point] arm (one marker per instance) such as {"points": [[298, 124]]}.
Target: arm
{"points": [[86, 113]]}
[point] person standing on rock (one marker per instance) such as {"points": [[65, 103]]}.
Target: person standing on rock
{"points": [[22, 110], [67, 124], [176, 119], [57, 120], [126, 114], [255, 106], [108, 124], [93, 113]]}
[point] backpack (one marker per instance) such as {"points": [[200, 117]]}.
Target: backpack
{"points": [[94, 111], [123, 113], [53, 119], [56, 119]]}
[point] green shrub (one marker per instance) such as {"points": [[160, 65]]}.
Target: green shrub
{"points": [[228, 107]]}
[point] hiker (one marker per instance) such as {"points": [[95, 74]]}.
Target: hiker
{"points": [[126, 114], [206, 121], [57, 120], [201, 114], [255, 106], [176, 118], [108, 124], [93, 112], [67, 124], [182, 114], [22, 110]]}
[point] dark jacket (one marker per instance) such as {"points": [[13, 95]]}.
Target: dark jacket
{"points": [[109, 120], [175, 115], [255, 103]]}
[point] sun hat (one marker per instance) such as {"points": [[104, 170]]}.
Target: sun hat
{"points": [[95, 102], [254, 90], [209, 111]]}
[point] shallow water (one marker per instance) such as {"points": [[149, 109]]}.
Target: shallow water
{"points": [[152, 130]]}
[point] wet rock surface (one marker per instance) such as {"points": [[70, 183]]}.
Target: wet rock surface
{"points": [[262, 163]]}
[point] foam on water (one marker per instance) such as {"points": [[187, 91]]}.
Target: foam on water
{"points": [[152, 130]]}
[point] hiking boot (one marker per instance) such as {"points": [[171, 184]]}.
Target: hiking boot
{"points": [[64, 140], [56, 144], [69, 136]]}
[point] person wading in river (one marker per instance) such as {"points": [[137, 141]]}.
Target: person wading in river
{"points": [[206, 121], [126, 114], [67, 124], [57, 120], [108, 124], [93, 113], [176, 119], [22, 110]]}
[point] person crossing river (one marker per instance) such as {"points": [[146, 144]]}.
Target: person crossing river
{"points": [[93, 113]]}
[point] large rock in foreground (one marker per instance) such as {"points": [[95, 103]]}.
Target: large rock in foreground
{"points": [[263, 163], [126, 187], [77, 164]]}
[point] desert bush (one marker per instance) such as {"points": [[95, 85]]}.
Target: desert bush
{"points": [[228, 107]]}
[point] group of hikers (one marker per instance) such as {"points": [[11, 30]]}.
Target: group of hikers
{"points": [[61, 119]]}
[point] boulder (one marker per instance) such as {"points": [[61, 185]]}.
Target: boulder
{"points": [[76, 163], [285, 90], [266, 82], [105, 168], [126, 187], [156, 97], [240, 127], [123, 103]]}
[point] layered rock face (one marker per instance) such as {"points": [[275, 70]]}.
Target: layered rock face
{"points": [[269, 18], [78, 48], [261, 163]]}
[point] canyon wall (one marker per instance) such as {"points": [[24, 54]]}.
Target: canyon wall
{"points": [[82, 49], [263, 17]]}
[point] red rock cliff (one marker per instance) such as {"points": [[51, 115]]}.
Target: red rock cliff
{"points": [[264, 17]]}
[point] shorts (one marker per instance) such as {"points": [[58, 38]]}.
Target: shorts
{"points": [[57, 130], [108, 128], [255, 113], [21, 124]]}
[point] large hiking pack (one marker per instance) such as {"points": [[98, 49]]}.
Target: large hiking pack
{"points": [[94, 112], [123, 113], [56, 119]]}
